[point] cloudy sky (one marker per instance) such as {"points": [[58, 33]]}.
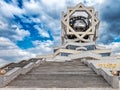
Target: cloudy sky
{"points": [[32, 27]]}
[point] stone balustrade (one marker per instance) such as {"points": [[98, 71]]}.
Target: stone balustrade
{"points": [[27, 68], [105, 72], [112, 80], [13, 72]]}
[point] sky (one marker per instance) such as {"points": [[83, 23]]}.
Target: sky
{"points": [[32, 27]]}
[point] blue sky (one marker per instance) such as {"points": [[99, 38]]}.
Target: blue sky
{"points": [[32, 27]]}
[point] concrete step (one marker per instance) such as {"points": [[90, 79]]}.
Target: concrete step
{"points": [[60, 69], [61, 72], [75, 83], [60, 75]]}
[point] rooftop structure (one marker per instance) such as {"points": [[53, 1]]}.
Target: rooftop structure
{"points": [[77, 63]]}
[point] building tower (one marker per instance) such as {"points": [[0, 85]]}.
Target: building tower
{"points": [[79, 24], [79, 32]]}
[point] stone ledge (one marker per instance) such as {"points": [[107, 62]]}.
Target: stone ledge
{"points": [[9, 76], [27, 68], [37, 63], [12, 74], [112, 80]]}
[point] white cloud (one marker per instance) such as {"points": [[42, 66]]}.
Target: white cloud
{"points": [[114, 46], [32, 7], [42, 32], [9, 10], [37, 20], [54, 4], [3, 25], [43, 9], [6, 44], [94, 2], [9, 50], [44, 47], [13, 32], [101, 31], [3, 62], [20, 33]]}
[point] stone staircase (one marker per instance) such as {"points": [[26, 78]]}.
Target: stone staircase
{"points": [[72, 74]]}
